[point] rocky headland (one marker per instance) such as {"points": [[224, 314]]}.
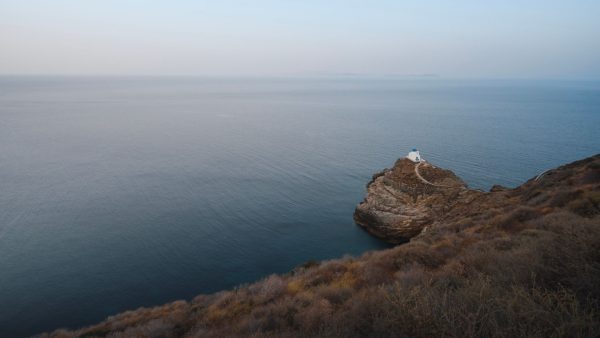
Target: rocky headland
{"points": [[412, 198], [402, 201], [522, 262]]}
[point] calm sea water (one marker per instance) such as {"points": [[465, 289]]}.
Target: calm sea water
{"points": [[117, 193]]}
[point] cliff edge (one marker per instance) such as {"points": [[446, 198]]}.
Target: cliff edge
{"points": [[411, 198], [403, 200]]}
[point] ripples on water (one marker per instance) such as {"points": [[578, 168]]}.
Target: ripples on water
{"points": [[126, 192]]}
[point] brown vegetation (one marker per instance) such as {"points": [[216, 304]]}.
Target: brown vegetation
{"points": [[527, 264]]}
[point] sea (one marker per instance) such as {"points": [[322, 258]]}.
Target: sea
{"points": [[125, 192]]}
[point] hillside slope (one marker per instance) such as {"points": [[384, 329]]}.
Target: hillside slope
{"points": [[512, 262]]}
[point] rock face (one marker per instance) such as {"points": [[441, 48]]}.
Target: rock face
{"points": [[402, 201], [412, 199]]}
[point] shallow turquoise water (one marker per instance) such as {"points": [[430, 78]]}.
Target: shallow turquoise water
{"points": [[117, 193]]}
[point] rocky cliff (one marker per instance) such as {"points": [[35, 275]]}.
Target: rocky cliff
{"points": [[403, 200], [411, 198]]}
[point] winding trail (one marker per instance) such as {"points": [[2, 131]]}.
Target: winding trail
{"points": [[426, 181], [542, 174]]}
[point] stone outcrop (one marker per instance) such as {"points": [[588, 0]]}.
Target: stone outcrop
{"points": [[411, 198], [403, 200]]}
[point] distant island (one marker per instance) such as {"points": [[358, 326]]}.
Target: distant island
{"points": [[508, 262]]}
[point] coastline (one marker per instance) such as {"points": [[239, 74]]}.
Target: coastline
{"points": [[505, 234]]}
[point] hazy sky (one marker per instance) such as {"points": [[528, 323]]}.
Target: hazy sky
{"points": [[302, 37]]}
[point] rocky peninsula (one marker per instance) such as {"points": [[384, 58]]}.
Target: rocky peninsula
{"points": [[412, 198], [403, 200]]}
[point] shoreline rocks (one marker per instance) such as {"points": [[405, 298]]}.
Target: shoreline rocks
{"points": [[403, 200]]}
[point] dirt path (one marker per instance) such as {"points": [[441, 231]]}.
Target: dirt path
{"points": [[542, 174], [426, 181]]}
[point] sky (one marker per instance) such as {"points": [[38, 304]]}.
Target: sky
{"points": [[459, 38]]}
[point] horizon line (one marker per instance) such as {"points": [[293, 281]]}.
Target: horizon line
{"points": [[424, 76]]}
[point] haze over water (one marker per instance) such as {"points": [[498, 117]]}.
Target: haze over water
{"points": [[117, 193]]}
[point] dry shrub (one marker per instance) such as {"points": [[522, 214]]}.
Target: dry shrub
{"points": [[154, 328], [373, 274], [591, 176], [563, 197], [228, 306], [461, 225], [587, 205], [411, 276], [294, 286], [279, 315], [268, 289], [361, 315], [314, 317], [514, 220], [420, 254], [481, 308], [335, 295], [348, 280]]}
